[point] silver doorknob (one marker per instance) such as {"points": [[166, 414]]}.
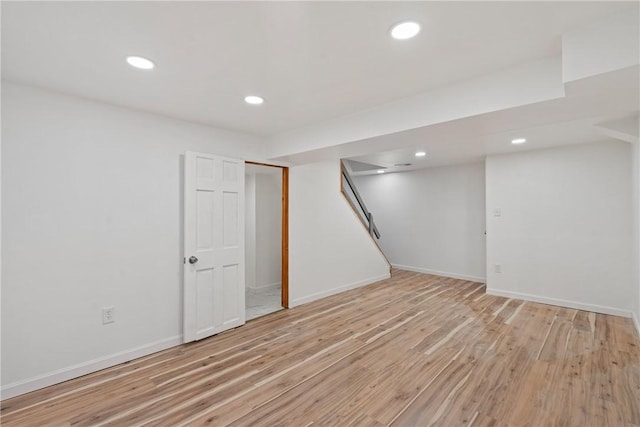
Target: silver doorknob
{"points": [[193, 260]]}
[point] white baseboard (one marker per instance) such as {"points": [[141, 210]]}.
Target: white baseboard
{"points": [[441, 273], [636, 322], [318, 295], [562, 303], [65, 374]]}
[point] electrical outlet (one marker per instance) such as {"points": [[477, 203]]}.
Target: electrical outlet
{"points": [[498, 268], [108, 315]]}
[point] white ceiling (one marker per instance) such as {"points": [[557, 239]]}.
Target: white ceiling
{"points": [[312, 61]]}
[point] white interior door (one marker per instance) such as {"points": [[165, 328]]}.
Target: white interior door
{"points": [[213, 245]]}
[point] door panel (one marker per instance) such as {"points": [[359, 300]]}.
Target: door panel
{"points": [[205, 283], [214, 237], [230, 219], [230, 291]]}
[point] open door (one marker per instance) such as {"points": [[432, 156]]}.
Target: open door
{"points": [[284, 240], [213, 245], [266, 239]]}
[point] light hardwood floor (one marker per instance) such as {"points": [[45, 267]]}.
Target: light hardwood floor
{"points": [[412, 350]]}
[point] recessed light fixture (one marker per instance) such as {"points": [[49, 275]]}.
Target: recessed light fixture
{"points": [[420, 153], [140, 62], [380, 171], [253, 100], [518, 141], [405, 30]]}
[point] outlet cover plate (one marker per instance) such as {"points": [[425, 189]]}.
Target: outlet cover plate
{"points": [[108, 315]]}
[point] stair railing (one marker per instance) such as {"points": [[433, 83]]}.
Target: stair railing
{"points": [[352, 195]]}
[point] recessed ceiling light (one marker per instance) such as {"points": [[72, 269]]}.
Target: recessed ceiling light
{"points": [[518, 141], [420, 153], [253, 99], [380, 171], [405, 30], [140, 62]]}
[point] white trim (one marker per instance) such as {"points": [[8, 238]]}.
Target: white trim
{"points": [[636, 322], [441, 273], [313, 297], [562, 303], [65, 374]]}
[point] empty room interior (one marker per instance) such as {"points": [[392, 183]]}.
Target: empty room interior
{"points": [[263, 240], [320, 213]]}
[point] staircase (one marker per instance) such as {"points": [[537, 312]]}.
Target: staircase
{"points": [[353, 197]]}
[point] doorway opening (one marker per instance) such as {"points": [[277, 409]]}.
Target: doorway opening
{"points": [[266, 239]]}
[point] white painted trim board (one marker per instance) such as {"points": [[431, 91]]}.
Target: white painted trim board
{"points": [[71, 372], [562, 303], [318, 295], [440, 273]]}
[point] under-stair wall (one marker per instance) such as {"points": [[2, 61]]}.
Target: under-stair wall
{"points": [[329, 249]]}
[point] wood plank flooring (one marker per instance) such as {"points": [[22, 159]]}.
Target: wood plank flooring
{"points": [[414, 350]]}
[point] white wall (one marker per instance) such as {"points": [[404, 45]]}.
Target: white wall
{"points": [[431, 220], [329, 249], [91, 217], [269, 228], [563, 236], [636, 233]]}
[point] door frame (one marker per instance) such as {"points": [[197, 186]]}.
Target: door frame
{"points": [[285, 230]]}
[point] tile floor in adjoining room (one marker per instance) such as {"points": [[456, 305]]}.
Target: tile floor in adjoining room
{"points": [[261, 301]]}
